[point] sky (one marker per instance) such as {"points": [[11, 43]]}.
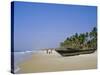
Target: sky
{"points": [[41, 25]]}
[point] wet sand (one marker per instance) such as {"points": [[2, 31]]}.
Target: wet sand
{"points": [[43, 62]]}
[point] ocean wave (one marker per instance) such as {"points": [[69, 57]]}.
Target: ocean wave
{"points": [[24, 52], [16, 69]]}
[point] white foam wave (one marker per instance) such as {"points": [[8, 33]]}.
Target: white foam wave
{"points": [[24, 52], [16, 70]]}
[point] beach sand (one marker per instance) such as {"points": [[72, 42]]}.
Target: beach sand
{"points": [[42, 62]]}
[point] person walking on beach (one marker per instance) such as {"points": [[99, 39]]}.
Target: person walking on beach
{"points": [[47, 51]]}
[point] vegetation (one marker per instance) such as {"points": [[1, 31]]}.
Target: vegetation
{"points": [[82, 41]]}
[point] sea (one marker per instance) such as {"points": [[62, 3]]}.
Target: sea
{"points": [[20, 56]]}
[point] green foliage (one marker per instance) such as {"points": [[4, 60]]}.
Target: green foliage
{"points": [[83, 41]]}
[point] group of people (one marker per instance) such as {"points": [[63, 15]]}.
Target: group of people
{"points": [[49, 51]]}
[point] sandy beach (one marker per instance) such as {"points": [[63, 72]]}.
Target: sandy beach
{"points": [[43, 62]]}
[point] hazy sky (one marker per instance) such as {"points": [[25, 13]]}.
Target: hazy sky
{"points": [[38, 25]]}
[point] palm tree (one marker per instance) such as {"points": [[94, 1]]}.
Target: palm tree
{"points": [[93, 36], [86, 40], [81, 40]]}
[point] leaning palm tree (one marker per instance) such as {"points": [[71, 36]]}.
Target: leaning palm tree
{"points": [[93, 36], [81, 40]]}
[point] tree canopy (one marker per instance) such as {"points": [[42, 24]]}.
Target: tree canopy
{"points": [[87, 40]]}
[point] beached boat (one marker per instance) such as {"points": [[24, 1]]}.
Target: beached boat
{"points": [[73, 52]]}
